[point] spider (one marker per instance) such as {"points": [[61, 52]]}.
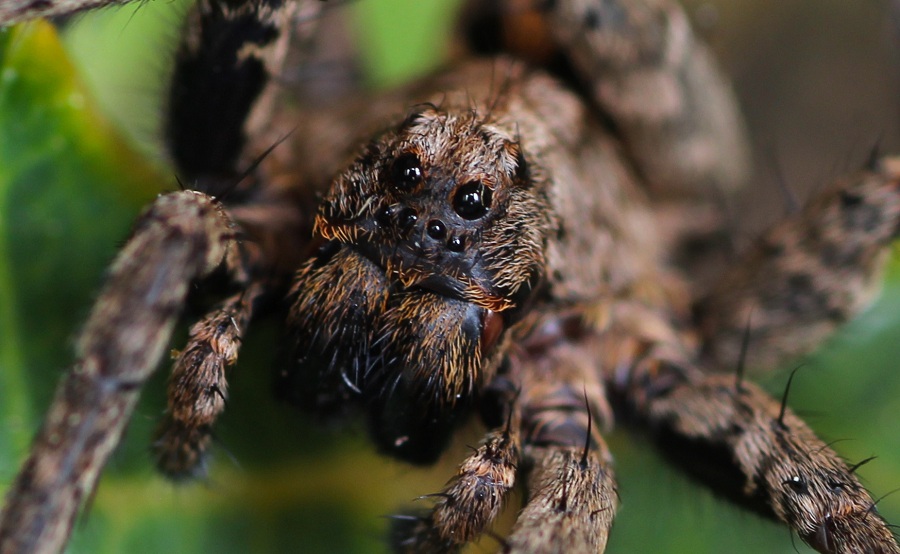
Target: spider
{"points": [[400, 169]]}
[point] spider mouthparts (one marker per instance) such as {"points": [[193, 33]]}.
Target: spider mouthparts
{"points": [[822, 539]]}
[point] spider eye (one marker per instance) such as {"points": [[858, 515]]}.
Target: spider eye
{"points": [[456, 244], [436, 229], [407, 218], [406, 171], [472, 200]]}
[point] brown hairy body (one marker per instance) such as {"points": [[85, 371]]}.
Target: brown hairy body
{"points": [[494, 245]]}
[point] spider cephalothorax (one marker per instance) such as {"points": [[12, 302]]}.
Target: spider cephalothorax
{"points": [[435, 241]]}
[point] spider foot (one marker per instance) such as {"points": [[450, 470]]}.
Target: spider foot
{"points": [[755, 451], [198, 388], [572, 502], [469, 503]]}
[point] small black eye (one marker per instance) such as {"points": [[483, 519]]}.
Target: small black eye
{"points": [[797, 484], [406, 171], [436, 229], [383, 217], [472, 200], [456, 244], [407, 218]]}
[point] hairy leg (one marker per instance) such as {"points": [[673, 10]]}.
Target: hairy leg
{"points": [[571, 496], [643, 66], [557, 399], [807, 275], [198, 387], [14, 11], [755, 451], [470, 502], [220, 101], [181, 237], [572, 501]]}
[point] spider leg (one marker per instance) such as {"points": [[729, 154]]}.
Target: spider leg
{"points": [[470, 502], [807, 275], [645, 69], [221, 73], [222, 88], [198, 388], [220, 99], [181, 237], [795, 286], [14, 11], [755, 451], [745, 445], [571, 488], [570, 484], [572, 501]]}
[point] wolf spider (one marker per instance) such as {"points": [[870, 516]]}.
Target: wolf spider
{"points": [[503, 246]]}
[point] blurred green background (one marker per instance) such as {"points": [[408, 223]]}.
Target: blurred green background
{"points": [[818, 83]]}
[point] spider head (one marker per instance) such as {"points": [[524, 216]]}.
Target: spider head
{"points": [[444, 203], [434, 244]]}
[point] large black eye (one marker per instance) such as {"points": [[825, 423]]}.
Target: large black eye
{"points": [[406, 171], [472, 200]]}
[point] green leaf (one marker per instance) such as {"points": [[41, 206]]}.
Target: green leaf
{"points": [[69, 188], [403, 40]]}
